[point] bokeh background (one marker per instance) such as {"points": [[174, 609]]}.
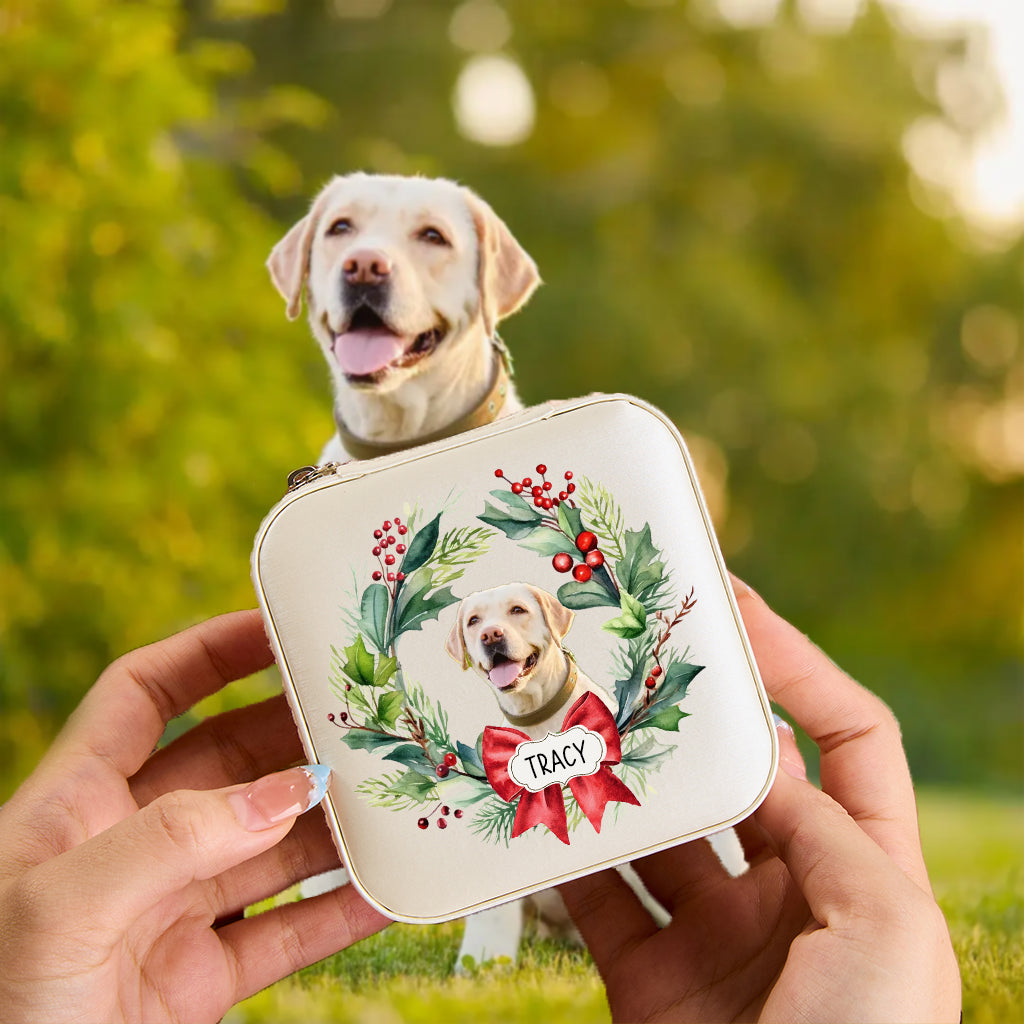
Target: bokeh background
{"points": [[744, 212]]}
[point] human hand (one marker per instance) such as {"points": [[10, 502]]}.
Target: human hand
{"points": [[124, 872], [833, 921]]}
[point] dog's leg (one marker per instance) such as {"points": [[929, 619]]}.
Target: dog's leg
{"points": [[491, 935]]}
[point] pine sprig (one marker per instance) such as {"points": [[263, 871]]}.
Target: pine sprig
{"points": [[494, 821], [379, 793], [602, 514], [455, 550], [433, 717]]}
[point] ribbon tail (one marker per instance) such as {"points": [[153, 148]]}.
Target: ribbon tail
{"points": [[594, 792], [544, 808]]}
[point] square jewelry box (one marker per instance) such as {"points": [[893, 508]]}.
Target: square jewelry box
{"points": [[519, 652]]}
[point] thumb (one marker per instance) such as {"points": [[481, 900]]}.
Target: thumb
{"points": [[178, 838]]}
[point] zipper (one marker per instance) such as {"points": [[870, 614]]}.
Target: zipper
{"points": [[307, 474]]}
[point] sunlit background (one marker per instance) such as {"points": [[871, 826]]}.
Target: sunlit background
{"points": [[793, 224]]}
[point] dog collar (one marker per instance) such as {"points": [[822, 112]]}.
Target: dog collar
{"points": [[558, 701], [486, 411]]}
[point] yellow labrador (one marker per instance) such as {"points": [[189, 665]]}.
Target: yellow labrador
{"points": [[405, 280], [512, 637]]}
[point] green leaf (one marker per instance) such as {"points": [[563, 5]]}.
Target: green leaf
{"points": [[667, 719], [586, 595], [640, 571], [359, 664], [471, 760], [385, 671], [515, 527], [367, 739], [632, 622], [421, 547], [373, 618], [648, 755], [389, 708], [546, 541], [416, 606], [409, 754], [674, 684], [571, 521], [413, 784]]}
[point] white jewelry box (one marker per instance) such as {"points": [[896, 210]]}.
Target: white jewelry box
{"points": [[519, 652]]}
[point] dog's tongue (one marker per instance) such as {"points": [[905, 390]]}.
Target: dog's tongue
{"points": [[505, 674], [367, 350]]}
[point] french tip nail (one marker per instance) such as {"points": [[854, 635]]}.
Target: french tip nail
{"points": [[320, 777], [781, 723]]}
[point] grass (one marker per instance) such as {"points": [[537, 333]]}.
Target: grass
{"points": [[975, 850]]}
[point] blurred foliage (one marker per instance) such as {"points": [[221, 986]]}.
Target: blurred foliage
{"points": [[726, 226]]}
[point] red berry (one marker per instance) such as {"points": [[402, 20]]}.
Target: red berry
{"points": [[568, 475], [538, 503], [398, 521], [656, 671], [570, 488], [527, 481], [377, 575], [387, 524], [517, 488], [441, 823], [377, 534], [401, 576], [537, 491], [446, 810], [389, 559], [344, 716], [546, 503], [450, 759], [582, 572], [498, 473], [595, 559], [391, 577], [442, 771], [391, 540], [330, 716], [458, 812], [547, 485], [423, 823], [562, 495], [400, 549], [542, 469], [403, 530], [586, 541], [650, 682], [562, 562], [376, 551]]}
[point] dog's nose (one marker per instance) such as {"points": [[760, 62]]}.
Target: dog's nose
{"points": [[492, 635], [366, 266]]}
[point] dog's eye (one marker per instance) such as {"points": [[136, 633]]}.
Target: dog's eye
{"points": [[433, 236], [340, 227], [518, 609], [473, 620]]}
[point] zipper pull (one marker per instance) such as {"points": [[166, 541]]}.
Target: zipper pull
{"points": [[306, 474]]}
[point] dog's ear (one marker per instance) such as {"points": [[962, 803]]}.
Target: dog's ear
{"points": [[506, 275], [288, 262], [556, 615], [456, 642]]}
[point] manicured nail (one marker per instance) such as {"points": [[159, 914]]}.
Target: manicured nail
{"points": [[744, 589], [790, 760], [781, 723], [280, 796]]}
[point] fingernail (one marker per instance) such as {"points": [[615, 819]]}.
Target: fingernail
{"points": [[280, 796], [790, 760], [744, 589], [781, 723]]}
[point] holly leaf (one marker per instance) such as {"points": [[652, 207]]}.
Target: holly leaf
{"points": [[674, 684], [514, 523], [373, 615], [471, 760], [359, 663], [368, 739], [385, 670], [631, 623], [640, 571], [409, 754], [570, 520], [389, 708], [416, 606], [586, 595], [421, 547], [415, 785], [667, 719], [546, 541]]}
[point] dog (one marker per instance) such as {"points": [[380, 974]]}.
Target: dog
{"points": [[512, 637], [406, 280]]}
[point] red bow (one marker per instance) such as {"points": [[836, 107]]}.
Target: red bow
{"points": [[547, 807]]}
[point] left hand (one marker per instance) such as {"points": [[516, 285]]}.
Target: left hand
{"points": [[124, 872]]}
